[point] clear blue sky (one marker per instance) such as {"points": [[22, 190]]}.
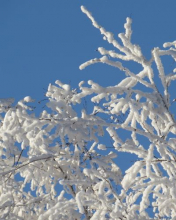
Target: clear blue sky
{"points": [[41, 40]]}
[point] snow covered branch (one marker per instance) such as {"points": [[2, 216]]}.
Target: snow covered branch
{"points": [[58, 166]]}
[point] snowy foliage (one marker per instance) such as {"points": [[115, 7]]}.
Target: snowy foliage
{"points": [[62, 148]]}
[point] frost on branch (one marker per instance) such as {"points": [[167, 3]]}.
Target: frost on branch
{"points": [[147, 115], [57, 166], [56, 148]]}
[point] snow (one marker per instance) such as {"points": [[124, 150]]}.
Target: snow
{"points": [[59, 147]]}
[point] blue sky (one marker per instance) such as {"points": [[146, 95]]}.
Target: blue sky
{"points": [[41, 41]]}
